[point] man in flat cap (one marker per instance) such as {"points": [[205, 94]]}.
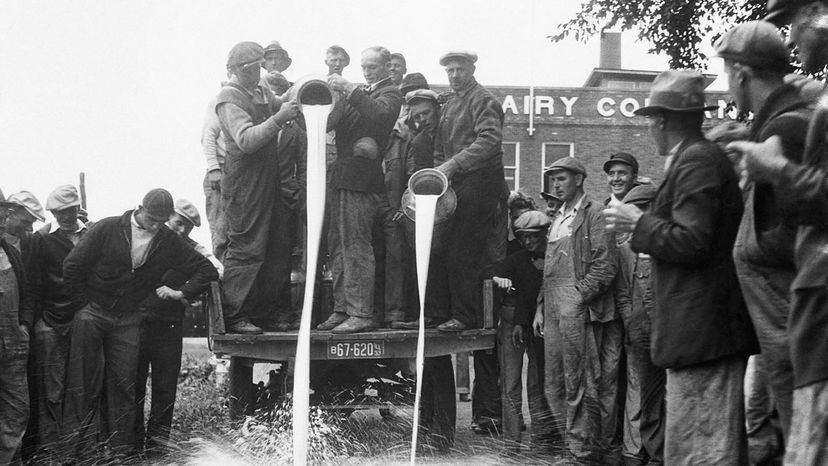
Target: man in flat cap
{"points": [[575, 309], [756, 62], [358, 187], [16, 315], [643, 432], [802, 194], [112, 269], [701, 332], [257, 259], [622, 172], [25, 210], [55, 310], [161, 343]]}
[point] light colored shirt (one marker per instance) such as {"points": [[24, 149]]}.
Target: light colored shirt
{"points": [[562, 223], [212, 141], [141, 239], [73, 236]]}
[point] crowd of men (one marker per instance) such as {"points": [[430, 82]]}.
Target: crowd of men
{"points": [[641, 311]]}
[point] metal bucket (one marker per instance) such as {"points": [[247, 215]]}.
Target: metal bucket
{"points": [[429, 181], [311, 90]]}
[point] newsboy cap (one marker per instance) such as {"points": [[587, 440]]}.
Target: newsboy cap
{"points": [[622, 157], [338, 49], [412, 82], [421, 94], [641, 194], [757, 44], [63, 197], [158, 203], [465, 55], [29, 202], [532, 220], [187, 210], [781, 11], [244, 53], [676, 91], [567, 163]]}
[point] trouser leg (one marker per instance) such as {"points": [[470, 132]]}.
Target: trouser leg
{"points": [[486, 403], [510, 358], [396, 251], [121, 345], [462, 381], [216, 218], [609, 337], [141, 375], [441, 405], [545, 429], [808, 442], [632, 446], [165, 357], [274, 279], [14, 402], [354, 267], [51, 354]]}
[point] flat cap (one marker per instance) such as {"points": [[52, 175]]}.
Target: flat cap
{"points": [[63, 197], [29, 202], [465, 55], [421, 94], [158, 203], [757, 44], [412, 82], [338, 49], [244, 53], [676, 91], [532, 220], [781, 11], [622, 157], [187, 210], [641, 194], [567, 163]]}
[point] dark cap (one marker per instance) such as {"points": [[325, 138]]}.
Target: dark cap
{"points": [[781, 11], [533, 220], [757, 44], [676, 91], [276, 47], [465, 55], [244, 53], [158, 203], [621, 157], [567, 163], [641, 194], [412, 82]]}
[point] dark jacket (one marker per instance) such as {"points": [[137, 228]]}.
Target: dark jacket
{"points": [[25, 308], [366, 114], [293, 164], [689, 232], [52, 299], [526, 280], [595, 261], [99, 268]]}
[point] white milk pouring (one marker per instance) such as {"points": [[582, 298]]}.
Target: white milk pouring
{"points": [[316, 119]]}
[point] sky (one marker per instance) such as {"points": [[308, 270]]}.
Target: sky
{"points": [[118, 89]]}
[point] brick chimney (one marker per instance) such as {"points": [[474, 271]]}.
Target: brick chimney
{"points": [[610, 51]]}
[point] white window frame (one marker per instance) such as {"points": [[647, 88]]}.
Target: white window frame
{"points": [[544, 164], [516, 166]]}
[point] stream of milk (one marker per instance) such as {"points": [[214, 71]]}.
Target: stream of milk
{"points": [[316, 119], [425, 205]]}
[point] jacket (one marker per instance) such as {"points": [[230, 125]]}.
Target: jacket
{"points": [[25, 308], [689, 233], [370, 113], [526, 280], [99, 268], [52, 299], [595, 261]]}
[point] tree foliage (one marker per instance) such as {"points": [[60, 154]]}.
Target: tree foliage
{"points": [[674, 27]]}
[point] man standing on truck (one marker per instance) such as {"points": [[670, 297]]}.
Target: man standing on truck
{"points": [[109, 273], [257, 260]]}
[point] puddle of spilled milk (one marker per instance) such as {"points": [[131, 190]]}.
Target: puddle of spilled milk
{"points": [[425, 205], [316, 120]]}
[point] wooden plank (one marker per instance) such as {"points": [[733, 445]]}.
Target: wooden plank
{"points": [[216, 313], [488, 304]]}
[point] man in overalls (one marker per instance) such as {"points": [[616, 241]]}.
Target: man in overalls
{"points": [[578, 301]]}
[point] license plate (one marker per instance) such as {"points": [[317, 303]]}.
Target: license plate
{"points": [[368, 349]]}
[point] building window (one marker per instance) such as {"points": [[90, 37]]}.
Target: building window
{"points": [[511, 164], [552, 151]]}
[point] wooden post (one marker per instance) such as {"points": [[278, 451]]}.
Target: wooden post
{"points": [[82, 187], [241, 387], [488, 304]]}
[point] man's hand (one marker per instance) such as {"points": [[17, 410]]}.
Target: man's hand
{"points": [[168, 293], [25, 329], [288, 111], [504, 283], [340, 84], [214, 179], [761, 160], [398, 215], [537, 323], [517, 336], [622, 218]]}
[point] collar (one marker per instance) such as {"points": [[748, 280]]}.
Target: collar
{"points": [[462, 92], [53, 227], [782, 99], [672, 152], [134, 221], [373, 87], [575, 208]]}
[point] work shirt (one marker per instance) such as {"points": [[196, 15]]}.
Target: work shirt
{"points": [[141, 239], [73, 236], [212, 142], [470, 131], [562, 223]]}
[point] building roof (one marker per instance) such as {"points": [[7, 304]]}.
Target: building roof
{"points": [[598, 77]]}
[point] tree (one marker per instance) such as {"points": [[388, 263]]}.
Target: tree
{"points": [[674, 27]]}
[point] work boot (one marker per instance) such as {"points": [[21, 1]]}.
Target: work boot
{"points": [[335, 319], [355, 325], [244, 327], [452, 325], [430, 322]]}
